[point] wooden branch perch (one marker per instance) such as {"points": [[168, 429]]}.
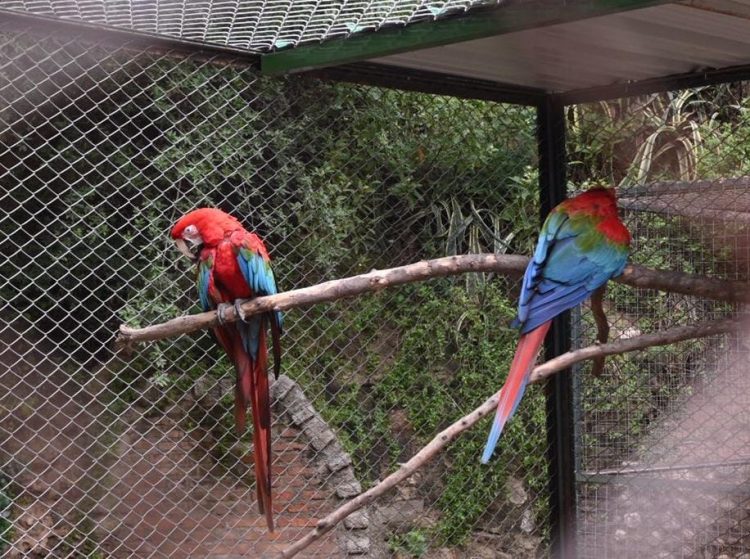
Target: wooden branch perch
{"points": [[376, 280], [687, 284], [333, 290], [510, 265], [540, 373]]}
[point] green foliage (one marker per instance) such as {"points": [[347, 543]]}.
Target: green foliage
{"points": [[451, 352], [333, 360], [618, 408], [693, 134], [411, 544], [455, 352]]}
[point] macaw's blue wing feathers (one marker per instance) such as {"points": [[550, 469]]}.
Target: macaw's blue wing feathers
{"points": [[250, 333], [551, 236], [257, 271], [205, 266], [256, 268], [563, 273]]}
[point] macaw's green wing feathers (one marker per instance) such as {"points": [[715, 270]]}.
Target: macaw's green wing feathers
{"points": [[572, 259]]}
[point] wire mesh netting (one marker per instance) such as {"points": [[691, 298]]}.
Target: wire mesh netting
{"points": [[256, 26], [133, 454], [662, 435], [122, 455]]}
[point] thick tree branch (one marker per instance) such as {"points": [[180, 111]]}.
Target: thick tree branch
{"points": [[376, 280], [442, 439], [333, 290], [687, 284]]}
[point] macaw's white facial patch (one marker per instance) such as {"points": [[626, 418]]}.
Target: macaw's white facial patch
{"points": [[192, 235]]}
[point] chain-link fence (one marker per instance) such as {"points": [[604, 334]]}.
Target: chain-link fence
{"points": [[662, 436], [115, 455], [107, 454]]}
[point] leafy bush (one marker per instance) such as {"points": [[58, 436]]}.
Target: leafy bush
{"points": [[412, 544]]}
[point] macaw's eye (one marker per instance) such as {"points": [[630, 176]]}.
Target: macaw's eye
{"points": [[192, 235]]}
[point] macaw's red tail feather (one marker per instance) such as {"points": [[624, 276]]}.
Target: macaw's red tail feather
{"points": [[261, 404], [243, 388], [232, 344], [276, 339], [240, 409], [515, 384], [252, 388]]}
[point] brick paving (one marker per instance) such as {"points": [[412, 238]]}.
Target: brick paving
{"points": [[138, 483], [168, 501]]}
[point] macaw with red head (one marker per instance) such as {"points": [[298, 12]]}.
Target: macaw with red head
{"points": [[582, 245], [233, 265]]}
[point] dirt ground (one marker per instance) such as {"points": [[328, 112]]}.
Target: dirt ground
{"points": [[86, 480]]}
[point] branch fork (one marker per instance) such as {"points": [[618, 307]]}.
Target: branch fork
{"points": [[510, 265]]}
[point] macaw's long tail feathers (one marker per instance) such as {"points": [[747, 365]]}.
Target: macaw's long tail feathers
{"points": [[261, 404], [253, 389], [515, 384], [240, 408], [276, 330], [231, 342]]}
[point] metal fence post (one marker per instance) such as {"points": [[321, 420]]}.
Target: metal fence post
{"points": [[552, 184]]}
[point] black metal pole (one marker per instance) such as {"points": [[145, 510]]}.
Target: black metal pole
{"points": [[560, 420]]}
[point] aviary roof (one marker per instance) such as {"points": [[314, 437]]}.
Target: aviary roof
{"points": [[253, 25], [530, 47], [635, 45]]}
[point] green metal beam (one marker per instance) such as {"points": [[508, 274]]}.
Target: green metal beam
{"points": [[476, 25]]}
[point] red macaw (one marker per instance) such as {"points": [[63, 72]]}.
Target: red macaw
{"points": [[582, 245], [233, 264]]}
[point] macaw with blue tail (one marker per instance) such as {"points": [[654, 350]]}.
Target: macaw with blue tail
{"points": [[582, 245], [233, 265]]}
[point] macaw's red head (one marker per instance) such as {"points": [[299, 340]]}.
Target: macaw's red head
{"points": [[597, 202], [202, 227]]}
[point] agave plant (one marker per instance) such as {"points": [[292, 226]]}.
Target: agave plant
{"points": [[469, 230], [673, 139], [664, 136]]}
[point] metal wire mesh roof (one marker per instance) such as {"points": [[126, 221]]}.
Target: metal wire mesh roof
{"points": [[255, 25]]}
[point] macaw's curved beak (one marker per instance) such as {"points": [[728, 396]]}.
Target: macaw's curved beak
{"points": [[185, 249]]}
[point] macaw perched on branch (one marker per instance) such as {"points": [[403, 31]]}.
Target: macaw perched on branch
{"points": [[582, 244], [233, 264]]}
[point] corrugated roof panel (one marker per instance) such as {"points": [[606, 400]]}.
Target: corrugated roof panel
{"points": [[648, 43]]}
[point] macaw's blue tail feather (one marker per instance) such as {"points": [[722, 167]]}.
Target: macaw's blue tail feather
{"points": [[515, 384]]}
